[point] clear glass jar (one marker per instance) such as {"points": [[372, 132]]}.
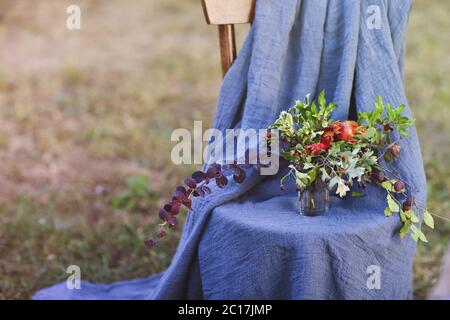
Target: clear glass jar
{"points": [[314, 200]]}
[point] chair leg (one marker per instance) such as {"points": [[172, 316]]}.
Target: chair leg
{"points": [[227, 40]]}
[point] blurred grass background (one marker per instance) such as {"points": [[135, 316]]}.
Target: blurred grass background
{"points": [[86, 116]]}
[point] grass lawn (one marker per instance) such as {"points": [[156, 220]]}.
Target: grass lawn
{"points": [[83, 111]]}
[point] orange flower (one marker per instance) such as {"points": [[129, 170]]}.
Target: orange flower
{"points": [[344, 131], [318, 147], [348, 129]]}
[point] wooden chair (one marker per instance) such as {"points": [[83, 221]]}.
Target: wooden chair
{"points": [[225, 14]]}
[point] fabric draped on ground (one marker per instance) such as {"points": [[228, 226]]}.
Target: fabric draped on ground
{"points": [[246, 241]]}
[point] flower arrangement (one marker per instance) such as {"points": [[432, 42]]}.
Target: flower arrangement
{"points": [[329, 153], [341, 153]]}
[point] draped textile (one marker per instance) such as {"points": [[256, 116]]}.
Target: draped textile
{"points": [[246, 241]]}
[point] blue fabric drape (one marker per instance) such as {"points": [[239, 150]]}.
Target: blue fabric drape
{"points": [[246, 240]]}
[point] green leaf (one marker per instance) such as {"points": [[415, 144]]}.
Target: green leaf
{"points": [[399, 109], [393, 206], [418, 233], [387, 212], [370, 132], [362, 116], [403, 131], [314, 108], [358, 194], [312, 174], [301, 179], [387, 185], [428, 219], [405, 228], [402, 216], [390, 112], [321, 100], [414, 218], [388, 157], [379, 102]]}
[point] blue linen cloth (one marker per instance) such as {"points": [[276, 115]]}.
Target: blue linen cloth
{"points": [[247, 241]]}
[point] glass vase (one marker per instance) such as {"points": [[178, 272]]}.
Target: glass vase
{"points": [[314, 200]]}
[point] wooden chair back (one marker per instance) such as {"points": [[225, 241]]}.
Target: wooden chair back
{"points": [[225, 14]]}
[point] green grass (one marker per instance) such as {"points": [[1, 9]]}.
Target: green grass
{"points": [[81, 112], [427, 86]]}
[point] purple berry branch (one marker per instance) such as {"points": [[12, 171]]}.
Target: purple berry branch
{"points": [[195, 186]]}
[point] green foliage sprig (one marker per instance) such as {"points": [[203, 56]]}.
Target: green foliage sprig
{"points": [[339, 154]]}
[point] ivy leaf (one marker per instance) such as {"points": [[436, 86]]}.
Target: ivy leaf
{"points": [[428, 219], [355, 172], [342, 188], [393, 206]]}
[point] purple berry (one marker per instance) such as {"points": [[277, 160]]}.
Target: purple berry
{"points": [[198, 176], [181, 189], [161, 233], [191, 183], [408, 203], [394, 150], [379, 176], [151, 243], [211, 172], [172, 220], [399, 186], [162, 214], [178, 195], [187, 203]]}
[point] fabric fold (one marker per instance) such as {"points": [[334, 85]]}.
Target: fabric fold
{"points": [[294, 48]]}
